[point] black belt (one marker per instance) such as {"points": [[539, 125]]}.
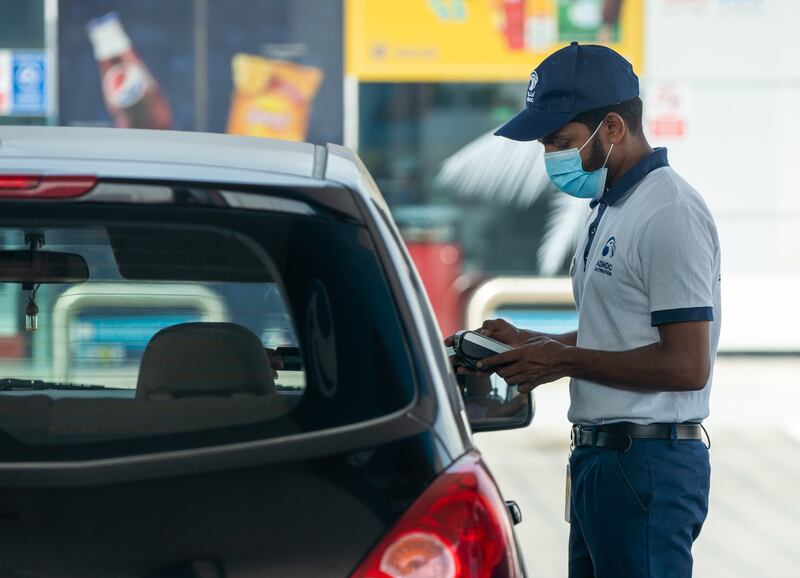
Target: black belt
{"points": [[620, 436]]}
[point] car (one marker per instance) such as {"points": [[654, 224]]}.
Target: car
{"points": [[217, 359]]}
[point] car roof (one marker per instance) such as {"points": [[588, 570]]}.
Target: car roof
{"points": [[176, 155]]}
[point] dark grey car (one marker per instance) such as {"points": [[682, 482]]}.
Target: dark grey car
{"points": [[217, 360]]}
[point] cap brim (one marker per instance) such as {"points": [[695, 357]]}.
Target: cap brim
{"points": [[528, 126]]}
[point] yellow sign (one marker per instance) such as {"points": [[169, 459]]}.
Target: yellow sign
{"points": [[480, 40]]}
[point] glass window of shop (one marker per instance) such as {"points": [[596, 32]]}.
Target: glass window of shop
{"points": [[470, 206], [266, 68], [406, 134]]}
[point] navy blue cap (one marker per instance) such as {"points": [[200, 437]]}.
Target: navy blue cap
{"points": [[575, 79]]}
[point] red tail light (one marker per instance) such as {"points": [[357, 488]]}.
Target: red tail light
{"points": [[458, 528], [45, 187]]}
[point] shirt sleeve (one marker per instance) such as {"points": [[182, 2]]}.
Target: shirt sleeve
{"points": [[677, 254]]}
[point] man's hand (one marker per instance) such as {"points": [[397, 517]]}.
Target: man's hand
{"points": [[499, 330], [457, 367], [502, 331], [540, 360]]}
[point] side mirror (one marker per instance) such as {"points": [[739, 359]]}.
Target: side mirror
{"points": [[493, 405]]}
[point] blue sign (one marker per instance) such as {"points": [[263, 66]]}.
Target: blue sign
{"points": [[29, 83], [99, 340]]}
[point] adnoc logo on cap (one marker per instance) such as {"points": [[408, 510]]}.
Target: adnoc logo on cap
{"points": [[532, 86]]}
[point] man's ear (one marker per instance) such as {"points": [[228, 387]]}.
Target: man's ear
{"points": [[616, 127]]}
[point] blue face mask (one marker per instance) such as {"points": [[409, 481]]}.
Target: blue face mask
{"points": [[565, 169]]}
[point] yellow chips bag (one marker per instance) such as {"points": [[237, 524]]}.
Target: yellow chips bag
{"points": [[271, 98]]}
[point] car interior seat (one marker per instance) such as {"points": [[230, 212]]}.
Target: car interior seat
{"points": [[204, 359], [216, 374]]}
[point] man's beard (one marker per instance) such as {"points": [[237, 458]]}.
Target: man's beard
{"points": [[597, 157]]}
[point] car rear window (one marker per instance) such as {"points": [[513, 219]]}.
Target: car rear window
{"points": [[193, 326]]}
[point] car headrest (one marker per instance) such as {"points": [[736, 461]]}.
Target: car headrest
{"points": [[193, 359]]}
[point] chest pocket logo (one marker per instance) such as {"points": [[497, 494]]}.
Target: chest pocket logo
{"points": [[603, 266], [610, 248]]}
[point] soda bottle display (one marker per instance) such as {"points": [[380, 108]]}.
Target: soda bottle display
{"points": [[514, 29], [133, 97], [509, 19]]}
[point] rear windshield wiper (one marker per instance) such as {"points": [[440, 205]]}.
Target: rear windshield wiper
{"points": [[13, 383]]}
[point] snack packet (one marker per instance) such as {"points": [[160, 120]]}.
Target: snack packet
{"points": [[271, 98]]}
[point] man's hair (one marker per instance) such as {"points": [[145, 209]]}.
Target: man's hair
{"points": [[629, 110]]}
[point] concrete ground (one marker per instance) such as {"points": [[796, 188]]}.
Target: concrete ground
{"points": [[753, 526]]}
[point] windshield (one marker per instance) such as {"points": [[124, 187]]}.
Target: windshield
{"points": [[194, 327], [96, 332]]}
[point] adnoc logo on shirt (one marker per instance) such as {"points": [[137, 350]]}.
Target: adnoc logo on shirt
{"points": [[604, 266], [610, 248]]}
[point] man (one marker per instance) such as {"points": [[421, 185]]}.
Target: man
{"points": [[646, 280]]}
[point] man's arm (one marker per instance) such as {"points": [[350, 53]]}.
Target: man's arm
{"points": [[678, 362]]}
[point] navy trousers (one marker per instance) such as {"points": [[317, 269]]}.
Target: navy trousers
{"points": [[635, 514]]}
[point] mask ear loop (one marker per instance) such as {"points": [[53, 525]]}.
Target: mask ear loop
{"points": [[605, 162], [591, 137], [607, 156]]}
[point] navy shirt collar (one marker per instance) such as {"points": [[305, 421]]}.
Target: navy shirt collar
{"points": [[653, 161]]}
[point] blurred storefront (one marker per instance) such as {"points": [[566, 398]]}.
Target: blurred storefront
{"points": [[406, 83], [430, 80], [417, 87]]}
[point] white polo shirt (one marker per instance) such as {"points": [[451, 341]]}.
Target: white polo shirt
{"points": [[650, 255]]}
